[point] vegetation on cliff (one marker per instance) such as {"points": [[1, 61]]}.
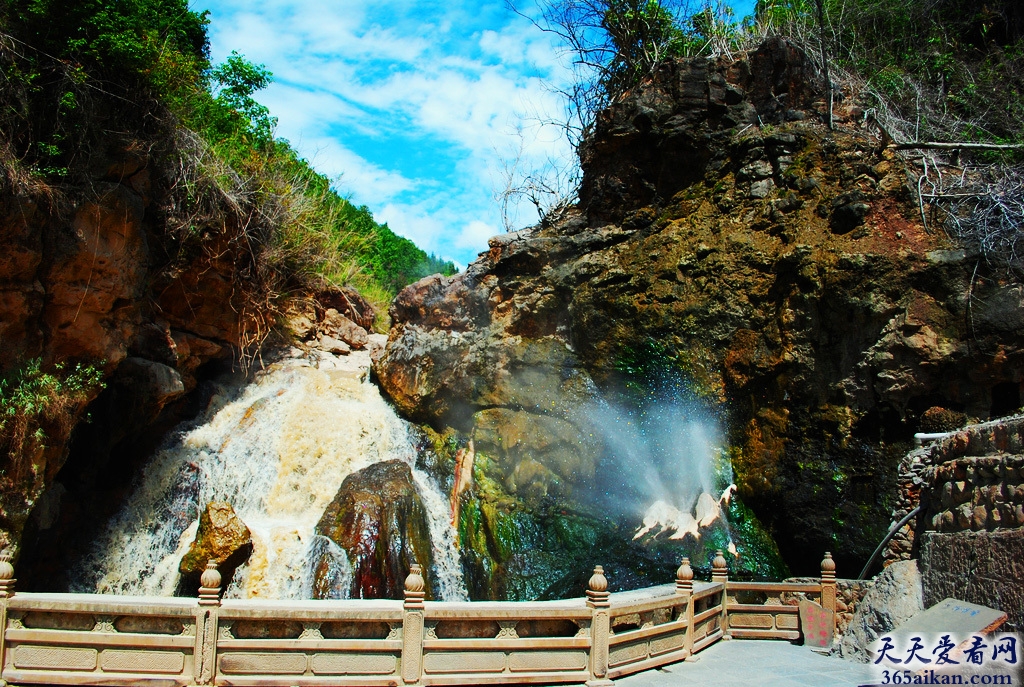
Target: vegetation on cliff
{"points": [[151, 224], [78, 72], [33, 400], [946, 72], [942, 69]]}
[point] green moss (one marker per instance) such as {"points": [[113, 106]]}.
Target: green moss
{"points": [[759, 555], [504, 531]]}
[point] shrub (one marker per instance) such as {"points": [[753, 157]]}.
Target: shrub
{"points": [[31, 401]]}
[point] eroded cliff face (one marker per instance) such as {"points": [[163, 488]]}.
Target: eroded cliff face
{"points": [[781, 267], [139, 274], [77, 283]]}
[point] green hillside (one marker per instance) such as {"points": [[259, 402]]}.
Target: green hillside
{"points": [[79, 72]]}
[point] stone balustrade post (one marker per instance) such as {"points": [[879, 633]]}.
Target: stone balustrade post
{"points": [[684, 587], [600, 628], [205, 658], [720, 573], [412, 626], [828, 586], [7, 582]]}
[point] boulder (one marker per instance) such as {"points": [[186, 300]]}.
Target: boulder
{"points": [[895, 597], [349, 303], [378, 518], [340, 327], [335, 346], [222, 538]]}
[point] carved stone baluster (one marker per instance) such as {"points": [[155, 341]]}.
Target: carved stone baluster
{"points": [[311, 631], [684, 587], [209, 590], [828, 586], [412, 626], [600, 628], [7, 582], [205, 658], [684, 578], [720, 573], [508, 629]]}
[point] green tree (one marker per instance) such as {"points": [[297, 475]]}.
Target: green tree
{"points": [[236, 80]]}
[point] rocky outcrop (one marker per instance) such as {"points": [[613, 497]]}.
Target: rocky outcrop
{"points": [[894, 598], [223, 538], [380, 521], [85, 278], [724, 236]]}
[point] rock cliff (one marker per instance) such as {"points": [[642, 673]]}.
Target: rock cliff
{"points": [[83, 279], [142, 268], [782, 270]]}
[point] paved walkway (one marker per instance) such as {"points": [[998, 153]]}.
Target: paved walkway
{"points": [[739, 663]]}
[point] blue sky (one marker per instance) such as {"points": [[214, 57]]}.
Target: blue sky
{"points": [[415, 108]]}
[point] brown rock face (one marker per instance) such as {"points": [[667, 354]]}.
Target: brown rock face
{"points": [[782, 270], [349, 303], [96, 275], [378, 519], [222, 538]]}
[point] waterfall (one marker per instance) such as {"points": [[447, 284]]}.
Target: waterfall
{"points": [[278, 454], [447, 565]]}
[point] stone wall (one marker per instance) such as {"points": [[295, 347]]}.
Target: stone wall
{"points": [[849, 594], [969, 534], [981, 567], [976, 493], [970, 480]]}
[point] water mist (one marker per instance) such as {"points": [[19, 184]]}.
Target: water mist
{"points": [[664, 464]]}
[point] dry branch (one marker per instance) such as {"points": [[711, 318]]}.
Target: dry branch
{"points": [[935, 145]]}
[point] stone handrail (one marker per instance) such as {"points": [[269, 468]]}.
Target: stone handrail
{"points": [[90, 639]]}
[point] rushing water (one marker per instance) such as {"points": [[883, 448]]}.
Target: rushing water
{"points": [[278, 454]]}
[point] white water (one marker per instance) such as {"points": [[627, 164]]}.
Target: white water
{"points": [[278, 454], [668, 462]]}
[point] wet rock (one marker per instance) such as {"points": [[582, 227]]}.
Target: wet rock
{"points": [[536, 453], [379, 519], [332, 345], [222, 538]]}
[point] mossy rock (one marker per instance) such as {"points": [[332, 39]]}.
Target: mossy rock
{"points": [[378, 518]]}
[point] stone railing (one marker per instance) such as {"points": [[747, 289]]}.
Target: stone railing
{"points": [[87, 639]]}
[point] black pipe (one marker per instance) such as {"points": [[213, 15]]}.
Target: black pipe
{"points": [[885, 540]]}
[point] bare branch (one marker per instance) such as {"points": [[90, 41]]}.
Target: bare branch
{"points": [[936, 145]]}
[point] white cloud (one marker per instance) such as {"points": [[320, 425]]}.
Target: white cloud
{"points": [[414, 110], [475, 234]]}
